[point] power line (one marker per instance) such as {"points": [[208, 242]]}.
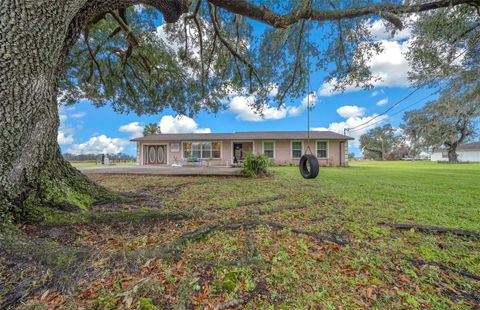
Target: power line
{"points": [[396, 113], [403, 99], [389, 109]]}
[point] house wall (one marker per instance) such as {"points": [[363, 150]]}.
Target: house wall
{"points": [[283, 152], [463, 155]]}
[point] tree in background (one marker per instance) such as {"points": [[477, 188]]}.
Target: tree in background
{"points": [[446, 122], [110, 52], [151, 129], [378, 142], [119, 157]]}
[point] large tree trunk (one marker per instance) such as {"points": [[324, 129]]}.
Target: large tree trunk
{"points": [[32, 170], [452, 155], [35, 39]]}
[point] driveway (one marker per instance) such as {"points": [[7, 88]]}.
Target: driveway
{"points": [[162, 170]]}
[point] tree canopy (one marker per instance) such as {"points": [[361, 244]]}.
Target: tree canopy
{"points": [[151, 129], [216, 50], [378, 142]]}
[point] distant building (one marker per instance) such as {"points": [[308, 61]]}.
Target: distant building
{"points": [[469, 152]]}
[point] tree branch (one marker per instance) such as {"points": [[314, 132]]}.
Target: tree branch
{"points": [[297, 61], [383, 10], [227, 44]]}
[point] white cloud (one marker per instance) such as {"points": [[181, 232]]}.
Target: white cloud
{"points": [[242, 106], [351, 111], [380, 32], [63, 138], [78, 115], [311, 99], [390, 66], [134, 129], [377, 92], [180, 124], [352, 122], [354, 117], [382, 102], [99, 145]]}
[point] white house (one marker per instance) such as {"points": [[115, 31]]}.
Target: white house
{"points": [[466, 152]]}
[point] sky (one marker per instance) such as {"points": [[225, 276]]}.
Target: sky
{"points": [[86, 129]]}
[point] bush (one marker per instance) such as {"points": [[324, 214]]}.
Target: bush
{"points": [[255, 165]]}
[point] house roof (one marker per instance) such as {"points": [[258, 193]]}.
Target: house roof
{"points": [[470, 146], [258, 135]]}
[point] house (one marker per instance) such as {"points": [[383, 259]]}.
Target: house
{"points": [[224, 149], [469, 152]]}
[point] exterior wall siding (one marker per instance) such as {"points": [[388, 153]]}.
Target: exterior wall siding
{"points": [[336, 153], [463, 155]]}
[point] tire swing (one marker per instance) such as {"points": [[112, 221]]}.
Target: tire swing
{"points": [[308, 165]]}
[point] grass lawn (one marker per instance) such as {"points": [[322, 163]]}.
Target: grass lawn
{"points": [[272, 243]]}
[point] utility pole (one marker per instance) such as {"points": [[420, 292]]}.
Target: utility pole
{"points": [[383, 149]]}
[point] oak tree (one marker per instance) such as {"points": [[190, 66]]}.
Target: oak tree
{"points": [[108, 52], [447, 122]]}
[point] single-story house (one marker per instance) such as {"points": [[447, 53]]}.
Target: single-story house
{"points": [[469, 152], [225, 149]]}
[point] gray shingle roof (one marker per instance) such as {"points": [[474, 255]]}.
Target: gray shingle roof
{"points": [[266, 135], [470, 146]]}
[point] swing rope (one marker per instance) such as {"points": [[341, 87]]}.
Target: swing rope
{"points": [[308, 109]]}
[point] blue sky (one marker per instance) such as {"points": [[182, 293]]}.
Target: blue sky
{"points": [[86, 129]]}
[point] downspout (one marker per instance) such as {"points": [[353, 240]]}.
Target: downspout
{"points": [[340, 152]]}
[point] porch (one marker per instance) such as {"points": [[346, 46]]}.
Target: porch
{"points": [[164, 170]]}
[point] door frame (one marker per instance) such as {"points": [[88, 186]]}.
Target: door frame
{"points": [[232, 153]]}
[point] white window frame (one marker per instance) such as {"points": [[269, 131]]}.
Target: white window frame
{"points": [[201, 149], [263, 148], [291, 149], [317, 149]]}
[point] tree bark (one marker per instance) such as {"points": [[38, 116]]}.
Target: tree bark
{"points": [[452, 153], [452, 156], [35, 39]]}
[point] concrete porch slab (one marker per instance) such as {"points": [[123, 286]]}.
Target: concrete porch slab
{"points": [[163, 170]]}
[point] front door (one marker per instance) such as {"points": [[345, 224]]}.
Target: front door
{"points": [[237, 152], [154, 154]]}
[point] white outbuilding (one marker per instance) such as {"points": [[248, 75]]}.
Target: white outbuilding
{"points": [[469, 152]]}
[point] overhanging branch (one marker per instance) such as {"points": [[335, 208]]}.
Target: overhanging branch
{"points": [[384, 10]]}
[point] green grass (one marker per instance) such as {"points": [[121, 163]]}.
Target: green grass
{"points": [[420, 192], [298, 272]]}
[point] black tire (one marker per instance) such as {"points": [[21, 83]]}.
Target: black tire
{"points": [[312, 161]]}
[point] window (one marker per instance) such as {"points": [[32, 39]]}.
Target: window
{"points": [[216, 149], [206, 150], [296, 149], [196, 150], [174, 147], [187, 150], [322, 149], [268, 149], [201, 150]]}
